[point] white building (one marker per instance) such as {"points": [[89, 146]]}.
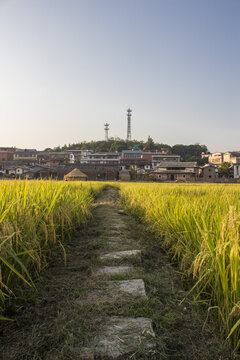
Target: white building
{"points": [[232, 156], [236, 171], [104, 158]]}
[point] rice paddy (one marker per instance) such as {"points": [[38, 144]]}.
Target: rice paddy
{"points": [[35, 218], [199, 226]]}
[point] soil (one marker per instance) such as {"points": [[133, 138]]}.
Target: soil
{"points": [[50, 323]]}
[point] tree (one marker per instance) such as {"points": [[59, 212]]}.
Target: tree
{"points": [[224, 169], [188, 151], [149, 145], [202, 161], [116, 144]]}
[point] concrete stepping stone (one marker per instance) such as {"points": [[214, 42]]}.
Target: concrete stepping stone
{"points": [[116, 232], [117, 228], [113, 270], [120, 245], [117, 221], [121, 211], [114, 291], [119, 337], [120, 254]]}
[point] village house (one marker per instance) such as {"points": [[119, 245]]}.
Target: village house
{"points": [[131, 155], [157, 159], [216, 158], [147, 155], [208, 171], [52, 159], [28, 156], [141, 174], [58, 158], [153, 157], [175, 171], [37, 172], [6, 154], [135, 159], [205, 155], [76, 155], [15, 171], [103, 158], [43, 157], [232, 157]]}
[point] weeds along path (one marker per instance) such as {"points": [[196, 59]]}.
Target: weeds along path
{"points": [[117, 298]]}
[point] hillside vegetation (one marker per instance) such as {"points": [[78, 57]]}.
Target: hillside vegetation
{"points": [[187, 152]]}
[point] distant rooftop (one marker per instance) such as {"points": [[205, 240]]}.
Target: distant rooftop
{"points": [[26, 150], [177, 164], [132, 151], [233, 153]]}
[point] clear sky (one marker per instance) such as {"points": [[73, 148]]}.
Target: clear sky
{"points": [[68, 66]]}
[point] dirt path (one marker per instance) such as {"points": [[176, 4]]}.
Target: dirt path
{"points": [[117, 297]]}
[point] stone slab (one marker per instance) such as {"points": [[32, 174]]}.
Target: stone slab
{"points": [[118, 223], [119, 337], [118, 227], [116, 231], [113, 270], [114, 291], [121, 211], [120, 254]]}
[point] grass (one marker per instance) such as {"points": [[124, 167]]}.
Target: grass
{"points": [[35, 218], [56, 326], [199, 225], [178, 328]]}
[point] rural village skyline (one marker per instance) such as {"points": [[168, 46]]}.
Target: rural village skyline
{"points": [[68, 67]]}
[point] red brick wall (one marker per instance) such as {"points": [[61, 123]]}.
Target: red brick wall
{"points": [[6, 156]]}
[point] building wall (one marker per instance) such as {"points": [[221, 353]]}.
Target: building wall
{"points": [[25, 155], [209, 172], [216, 158], [157, 159], [231, 157], [173, 177], [6, 156], [236, 171]]}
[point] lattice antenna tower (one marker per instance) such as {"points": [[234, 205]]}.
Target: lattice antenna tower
{"points": [[106, 128], [129, 115]]}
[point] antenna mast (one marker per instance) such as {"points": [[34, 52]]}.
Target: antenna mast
{"points": [[106, 128], [129, 114]]}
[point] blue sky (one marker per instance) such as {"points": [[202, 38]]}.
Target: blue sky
{"points": [[66, 67]]}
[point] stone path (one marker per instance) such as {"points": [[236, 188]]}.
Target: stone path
{"points": [[117, 336]]}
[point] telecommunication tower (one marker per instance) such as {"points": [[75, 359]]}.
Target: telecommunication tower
{"points": [[129, 115], [106, 128]]}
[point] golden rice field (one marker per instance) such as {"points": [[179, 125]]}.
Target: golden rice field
{"points": [[199, 225], [35, 218]]}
